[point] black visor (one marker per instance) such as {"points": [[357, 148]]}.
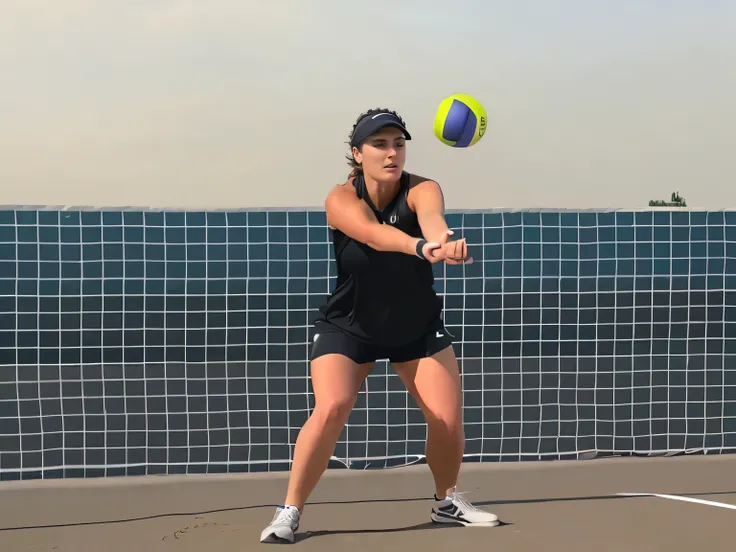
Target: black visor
{"points": [[373, 123]]}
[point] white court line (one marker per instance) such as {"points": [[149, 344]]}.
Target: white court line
{"points": [[684, 499]]}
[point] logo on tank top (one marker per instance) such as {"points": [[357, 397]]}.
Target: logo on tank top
{"points": [[393, 218]]}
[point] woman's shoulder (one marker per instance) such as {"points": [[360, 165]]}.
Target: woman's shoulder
{"points": [[418, 185], [422, 189], [341, 189], [341, 195], [415, 180]]}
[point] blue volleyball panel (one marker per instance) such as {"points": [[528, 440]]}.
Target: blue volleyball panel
{"points": [[468, 132], [455, 121], [460, 124]]}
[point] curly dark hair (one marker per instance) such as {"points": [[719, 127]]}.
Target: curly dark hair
{"points": [[352, 163]]}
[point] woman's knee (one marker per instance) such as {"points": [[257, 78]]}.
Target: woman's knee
{"points": [[448, 421], [333, 412], [336, 380]]}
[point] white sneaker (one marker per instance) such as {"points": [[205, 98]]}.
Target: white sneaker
{"points": [[284, 524], [455, 509]]}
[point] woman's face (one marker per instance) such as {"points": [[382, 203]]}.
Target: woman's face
{"points": [[383, 155]]}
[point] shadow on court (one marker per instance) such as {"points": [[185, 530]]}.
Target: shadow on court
{"points": [[418, 527]]}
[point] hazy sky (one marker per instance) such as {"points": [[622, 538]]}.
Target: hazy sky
{"points": [[232, 103]]}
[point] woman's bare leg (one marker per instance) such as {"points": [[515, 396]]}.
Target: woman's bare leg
{"points": [[336, 381], [434, 383]]}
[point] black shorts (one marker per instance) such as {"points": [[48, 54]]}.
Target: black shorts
{"points": [[331, 340]]}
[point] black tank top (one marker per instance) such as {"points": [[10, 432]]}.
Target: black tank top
{"points": [[382, 297]]}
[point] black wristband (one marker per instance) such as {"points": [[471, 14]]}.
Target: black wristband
{"points": [[420, 245]]}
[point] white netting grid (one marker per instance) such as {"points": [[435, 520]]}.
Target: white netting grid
{"points": [[152, 342]]}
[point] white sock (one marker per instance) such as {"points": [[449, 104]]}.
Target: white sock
{"points": [[443, 501], [449, 494]]}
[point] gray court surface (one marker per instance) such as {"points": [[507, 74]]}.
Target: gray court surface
{"points": [[553, 506]]}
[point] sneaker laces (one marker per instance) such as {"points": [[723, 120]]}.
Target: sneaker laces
{"points": [[466, 504], [286, 515]]}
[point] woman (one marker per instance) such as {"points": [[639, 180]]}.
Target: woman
{"points": [[388, 228]]}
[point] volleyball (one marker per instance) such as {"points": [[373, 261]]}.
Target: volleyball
{"points": [[460, 121]]}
